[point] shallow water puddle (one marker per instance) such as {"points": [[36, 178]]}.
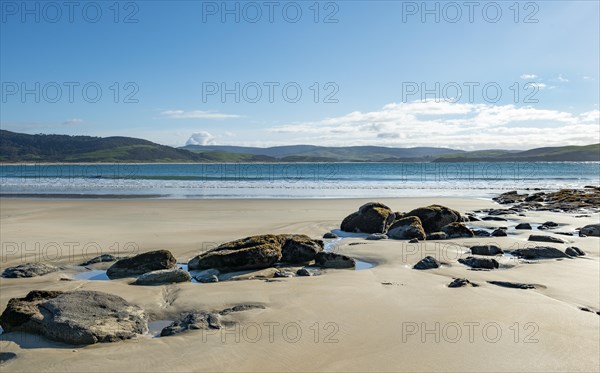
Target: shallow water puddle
{"points": [[332, 244], [94, 274], [155, 327]]}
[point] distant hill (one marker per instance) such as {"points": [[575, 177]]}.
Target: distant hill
{"points": [[550, 154], [312, 153], [18, 147]]}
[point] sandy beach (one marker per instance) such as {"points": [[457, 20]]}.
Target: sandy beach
{"points": [[386, 318]]}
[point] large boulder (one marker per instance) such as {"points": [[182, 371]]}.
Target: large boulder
{"points": [[163, 276], [257, 252], [434, 217], [591, 230], [407, 228], [542, 238], [333, 260], [142, 263], [299, 248], [254, 252], [29, 270], [78, 317], [539, 252], [372, 217], [457, 230]]}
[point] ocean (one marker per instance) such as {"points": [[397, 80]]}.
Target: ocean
{"points": [[291, 180]]}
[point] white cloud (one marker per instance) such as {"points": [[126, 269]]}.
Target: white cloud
{"points": [[561, 78], [590, 116], [72, 121], [538, 85], [528, 76], [457, 125], [196, 114], [201, 138]]}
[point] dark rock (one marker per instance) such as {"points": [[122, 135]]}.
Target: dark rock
{"points": [[481, 233], [299, 248], [330, 235], [333, 260], [489, 250], [437, 236], [240, 308], [539, 252], [376, 237], [550, 224], [513, 285], [163, 276], [142, 263], [100, 259], [78, 317], [208, 280], [303, 272], [428, 262], [590, 230], [6, 356], [541, 238], [564, 233], [474, 218], [479, 263], [281, 274], [29, 270], [434, 217], [457, 230], [460, 282], [206, 276], [574, 251], [193, 321], [499, 233], [414, 240], [372, 217], [510, 197], [523, 226], [493, 218], [407, 228]]}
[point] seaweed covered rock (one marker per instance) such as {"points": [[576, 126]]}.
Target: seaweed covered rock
{"points": [[333, 260], [372, 217], [457, 230], [299, 248], [434, 217], [407, 228], [257, 252], [142, 263], [253, 252]]}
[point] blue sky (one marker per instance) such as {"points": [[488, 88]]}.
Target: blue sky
{"points": [[369, 62]]}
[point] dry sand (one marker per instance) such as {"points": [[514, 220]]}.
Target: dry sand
{"points": [[387, 318]]}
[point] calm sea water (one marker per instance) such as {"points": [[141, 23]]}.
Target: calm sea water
{"points": [[295, 180]]}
